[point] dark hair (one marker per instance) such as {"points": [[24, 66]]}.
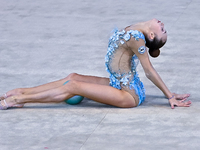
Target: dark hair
{"points": [[154, 46]]}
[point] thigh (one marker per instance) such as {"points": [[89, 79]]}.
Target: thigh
{"points": [[102, 93]]}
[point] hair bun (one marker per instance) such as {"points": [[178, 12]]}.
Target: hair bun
{"points": [[154, 53]]}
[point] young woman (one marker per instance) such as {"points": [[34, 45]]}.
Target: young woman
{"points": [[123, 88]]}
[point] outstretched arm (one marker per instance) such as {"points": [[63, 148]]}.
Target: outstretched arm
{"points": [[152, 75], [156, 79]]}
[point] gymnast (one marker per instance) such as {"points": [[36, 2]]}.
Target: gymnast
{"points": [[123, 88]]}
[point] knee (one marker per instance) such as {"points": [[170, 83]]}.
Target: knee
{"points": [[72, 76], [70, 87]]}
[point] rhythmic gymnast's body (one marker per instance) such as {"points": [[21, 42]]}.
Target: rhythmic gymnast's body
{"points": [[123, 88]]}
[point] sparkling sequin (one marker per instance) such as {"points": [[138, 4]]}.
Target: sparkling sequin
{"points": [[125, 80], [127, 36], [141, 49], [122, 42]]}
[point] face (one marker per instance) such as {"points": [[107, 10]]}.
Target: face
{"points": [[157, 27]]}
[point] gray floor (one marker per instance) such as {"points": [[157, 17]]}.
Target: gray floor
{"points": [[42, 41]]}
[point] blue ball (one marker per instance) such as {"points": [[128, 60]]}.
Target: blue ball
{"points": [[74, 100]]}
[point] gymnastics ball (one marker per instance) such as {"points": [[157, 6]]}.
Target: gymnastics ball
{"points": [[74, 100]]}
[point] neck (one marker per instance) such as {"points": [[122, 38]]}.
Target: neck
{"points": [[142, 27]]}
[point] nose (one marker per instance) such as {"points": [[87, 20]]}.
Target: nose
{"points": [[154, 19]]}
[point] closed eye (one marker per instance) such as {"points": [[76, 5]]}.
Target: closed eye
{"points": [[164, 31]]}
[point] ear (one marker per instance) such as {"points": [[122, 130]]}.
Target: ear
{"points": [[151, 35]]}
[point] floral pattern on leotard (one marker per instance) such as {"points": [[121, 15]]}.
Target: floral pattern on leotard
{"points": [[126, 79]]}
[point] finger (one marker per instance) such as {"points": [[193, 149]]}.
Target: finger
{"points": [[186, 95], [172, 106], [183, 100], [182, 96], [186, 104]]}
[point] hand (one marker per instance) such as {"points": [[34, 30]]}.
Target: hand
{"points": [[182, 97]]}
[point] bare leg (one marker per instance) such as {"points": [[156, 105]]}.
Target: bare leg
{"points": [[100, 93], [56, 84]]}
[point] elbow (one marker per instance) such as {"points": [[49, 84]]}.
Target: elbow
{"points": [[148, 74]]}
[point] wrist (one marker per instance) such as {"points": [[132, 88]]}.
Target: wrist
{"points": [[171, 97]]}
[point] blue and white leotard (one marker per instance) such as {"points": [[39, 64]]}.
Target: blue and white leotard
{"points": [[120, 78]]}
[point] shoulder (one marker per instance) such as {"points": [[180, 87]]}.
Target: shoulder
{"points": [[135, 41]]}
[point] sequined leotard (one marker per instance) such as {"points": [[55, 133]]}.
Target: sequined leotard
{"points": [[123, 72]]}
